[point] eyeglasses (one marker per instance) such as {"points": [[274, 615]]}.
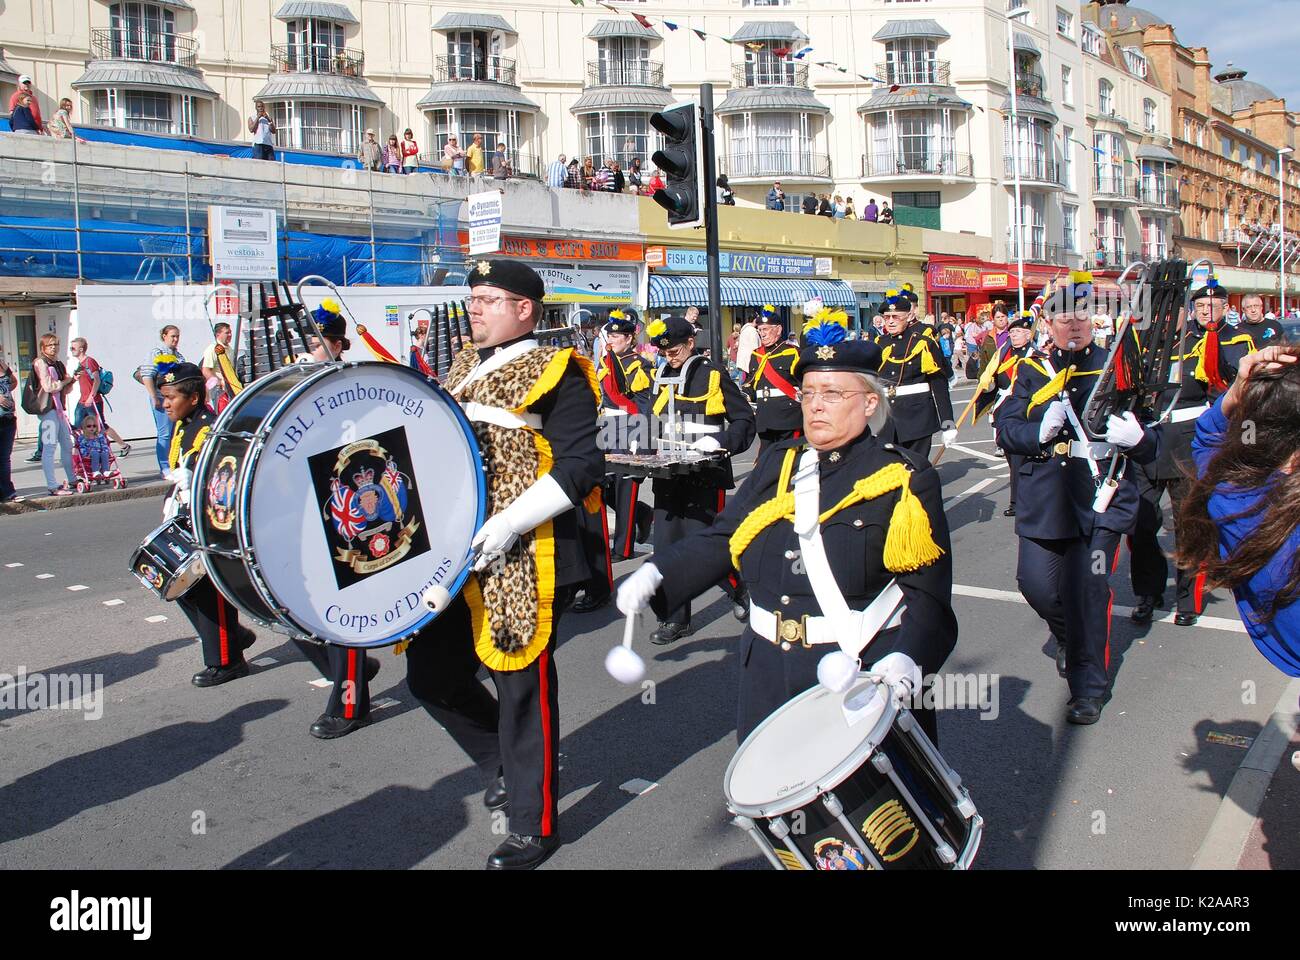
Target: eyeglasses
{"points": [[831, 397], [489, 302]]}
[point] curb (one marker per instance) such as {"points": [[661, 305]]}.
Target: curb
{"points": [[37, 504], [1225, 841]]}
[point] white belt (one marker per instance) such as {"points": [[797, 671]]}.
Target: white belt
{"points": [[817, 630], [1187, 413], [614, 412], [770, 393], [500, 416], [1078, 448], [910, 389], [690, 427]]}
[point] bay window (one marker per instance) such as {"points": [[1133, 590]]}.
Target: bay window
{"points": [[143, 31], [911, 61]]}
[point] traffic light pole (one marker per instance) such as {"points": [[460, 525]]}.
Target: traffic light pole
{"points": [[710, 205]]}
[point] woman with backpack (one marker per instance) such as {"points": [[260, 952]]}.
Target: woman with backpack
{"points": [[93, 382], [44, 394]]}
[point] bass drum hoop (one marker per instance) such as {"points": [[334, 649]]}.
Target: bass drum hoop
{"points": [[828, 781]]}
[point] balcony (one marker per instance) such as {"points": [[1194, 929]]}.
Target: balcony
{"points": [[624, 73], [1114, 258], [907, 165], [1158, 194], [766, 70], [1036, 170], [777, 164], [144, 46], [1038, 251], [1114, 187], [1030, 85], [317, 58], [493, 69], [916, 74]]}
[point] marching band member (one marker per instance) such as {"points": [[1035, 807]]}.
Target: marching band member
{"points": [[1002, 377], [1206, 369], [824, 524], [915, 374], [769, 383], [711, 415], [533, 410], [625, 393], [1063, 524], [216, 620]]}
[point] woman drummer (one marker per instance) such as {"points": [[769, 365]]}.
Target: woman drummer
{"points": [[184, 399], [875, 509]]}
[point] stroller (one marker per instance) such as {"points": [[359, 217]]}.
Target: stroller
{"points": [[81, 461]]}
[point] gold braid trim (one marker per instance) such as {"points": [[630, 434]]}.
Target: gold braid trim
{"points": [[909, 542], [928, 366], [1049, 390], [714, 402]]}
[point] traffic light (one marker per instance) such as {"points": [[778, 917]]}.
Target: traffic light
{"points": [[682, 162]]}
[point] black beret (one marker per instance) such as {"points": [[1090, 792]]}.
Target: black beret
{"points": [[510, 275], [896, 301], [669, 332], [1069, 297], [827, 347], [182, 372], [1212, 290], [619, 322]]}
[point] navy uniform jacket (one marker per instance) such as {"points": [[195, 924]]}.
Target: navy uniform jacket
{"points": [[913, 357], [624, 382], [766, 378], [188, 437], [1004, 375], [1056, 491], [710, 397], [854, 539]]}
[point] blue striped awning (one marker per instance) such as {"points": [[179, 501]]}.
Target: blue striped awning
{"points": [[672, 291]]}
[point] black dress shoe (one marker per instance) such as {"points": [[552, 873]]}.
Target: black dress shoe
{"points": [[1186, 619], [644, 521], [1061, 664], [522, 853], [1084, 710], [372, 668], [1009, 511], [588, 603], [1145, 609], [495, 796], [215, 676], [669, 633], [331, 728], [34, 458]]}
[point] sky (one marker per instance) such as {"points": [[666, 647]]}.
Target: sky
{"points": [[1261, 37]]}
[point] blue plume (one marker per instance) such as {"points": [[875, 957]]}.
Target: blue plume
{"points": [[826, 335]]}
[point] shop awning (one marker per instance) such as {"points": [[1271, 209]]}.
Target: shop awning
{"points": [[748, 292]]}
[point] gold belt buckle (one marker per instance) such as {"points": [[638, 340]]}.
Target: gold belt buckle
{"points": [[792, 631], [1062, 449], [892, 391]]}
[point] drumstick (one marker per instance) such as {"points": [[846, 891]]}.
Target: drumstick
{"points": [[622, 662]]}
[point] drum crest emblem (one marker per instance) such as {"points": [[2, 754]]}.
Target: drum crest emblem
{"points": [[369, 505], [835, 854], [220, 506]]}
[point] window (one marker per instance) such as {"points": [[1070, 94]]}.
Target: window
{"points": [[1033, 144], [143, 31], [1135, 61], [1109, 155], [919, 208], [314, 45], [1091, 40], [763, 68], [1226, 144], [1070, 227], [1067, 85], [1033, 226], [1149, 116], [476, 55], [1105, 98], [625, 60], [134, 110], [1110, 234], [764, 3], [1064, 22], [621, 137], [779, 144], [911, 61], [1187, 130], [327, 127], [1155, 244], [1067, 158]]}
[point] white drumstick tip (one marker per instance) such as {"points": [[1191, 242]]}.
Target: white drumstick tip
{"points": [[836, 671], [624, 664], [436, 598]]}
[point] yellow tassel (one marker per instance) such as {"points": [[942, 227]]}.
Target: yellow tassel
{"points": [[594, 502], [1049, 390], [909, 544]]}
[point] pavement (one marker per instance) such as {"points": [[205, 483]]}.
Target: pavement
{"points": [[158, 773], [139, 468]]}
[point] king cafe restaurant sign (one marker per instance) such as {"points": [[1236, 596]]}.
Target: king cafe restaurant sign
{"points": [[683, 260]]}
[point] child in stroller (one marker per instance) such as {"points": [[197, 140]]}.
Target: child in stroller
{"points": [[92, 457]]}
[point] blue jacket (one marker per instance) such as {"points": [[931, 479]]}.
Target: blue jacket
{"points": [[775, 202], [1279, 641]]}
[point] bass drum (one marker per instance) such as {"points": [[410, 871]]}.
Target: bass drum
{"points": [[330, 496]]}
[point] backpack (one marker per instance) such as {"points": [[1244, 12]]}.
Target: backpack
{"points": [[105, 382], [31, 399]]}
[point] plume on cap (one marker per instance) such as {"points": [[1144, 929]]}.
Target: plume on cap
{"points": [[656, 328], [826, 327]]}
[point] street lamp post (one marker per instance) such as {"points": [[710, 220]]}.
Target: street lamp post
{"points": [[1017, 228], [1281, 225]]}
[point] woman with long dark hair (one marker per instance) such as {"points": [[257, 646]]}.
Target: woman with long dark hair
{"points": [[1240, 522]]}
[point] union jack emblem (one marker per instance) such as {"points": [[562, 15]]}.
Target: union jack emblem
{"points": [[348, 519], [392, 475]]}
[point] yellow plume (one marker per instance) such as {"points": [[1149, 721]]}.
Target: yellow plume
{"points": [[1080, 276], [331, 305], [656, 328]]}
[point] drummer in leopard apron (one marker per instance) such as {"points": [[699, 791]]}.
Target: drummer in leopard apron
{"points": [[833, 527], [533, 409]]}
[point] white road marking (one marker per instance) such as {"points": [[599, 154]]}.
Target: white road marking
{"points": [[321, 682], [114, 603], [264, 661], [49, 534], [156, 618], [12, 565], [974, 489], [975, 453], [45, 576], [78, 586], [1008, 596], [636, 786], [384, 702]]}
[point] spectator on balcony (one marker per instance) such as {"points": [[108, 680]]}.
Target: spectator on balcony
{"points": [[573, 177], [557, 172], [589, 174], [475, 161], [825, 208], [501, 168], [886, 213], [61, 126], [656, 183], [25, 87], [726, 196], [21, 119], [810, 204], [635, 179], [871, 212], [370, 156], [453, 158], [776, 197], [602, 179], [391, 155], [410, 152], [849, 212], [262, 127]]}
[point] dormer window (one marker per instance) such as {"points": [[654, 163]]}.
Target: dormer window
{"points": [[1091, 40], [764, 68], [314, 44], [623, 60], [477, 55], [1135, 61], [143, 31], [911, 60]]}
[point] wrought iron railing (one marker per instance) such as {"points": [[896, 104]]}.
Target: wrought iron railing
{"points": [[908, 163], [624, 73], [144, 45], [317, 58], [491, 68], [1030, 85], [1113, 186], [910, 73], [1035, 167], [1036, 251], [778, 163], [766, 70]]}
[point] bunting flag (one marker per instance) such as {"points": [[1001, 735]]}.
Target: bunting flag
{"points": [[803, 53], [576, 3], [781, 52], [670, 25], [755, 46], [699, 33], [641, 20]]}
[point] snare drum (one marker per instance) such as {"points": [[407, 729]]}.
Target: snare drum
{"points": [[330, 496], [168, 562], [850, 782]]}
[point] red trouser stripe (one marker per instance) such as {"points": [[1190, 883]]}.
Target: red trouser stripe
{"points": [[731, 577], [350, 691], [222, 633], [1198, 593], [1110, 604], [629, 526], [604, 531], [548, 774]]}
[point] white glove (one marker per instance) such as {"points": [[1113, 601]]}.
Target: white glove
{"points": [[899, 668], [635, 592], [949, 437], [542, 501], [1053, 420], [706, 444], [1124, 431]]}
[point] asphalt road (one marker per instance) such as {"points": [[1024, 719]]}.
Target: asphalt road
{"points": [[173, 776]]}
